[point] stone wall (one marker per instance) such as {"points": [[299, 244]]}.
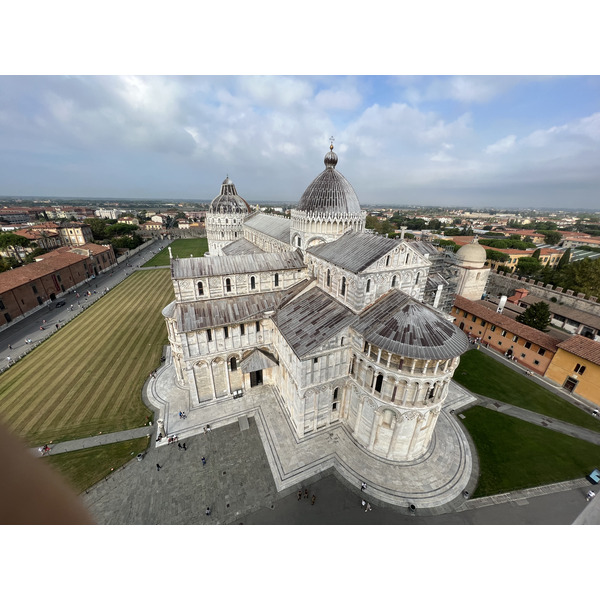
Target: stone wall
{"points": [[499, 284]]}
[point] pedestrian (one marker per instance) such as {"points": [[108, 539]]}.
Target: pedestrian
{"points": [[208, 428], [180, 446], [363, 486], [9, 347], [158, 467], [207, 511], [306, 493], [299, 494], [203, 461], [312, 500], [184, 447], [368, 507], [57, 326], [205, 429], [363, 503], [590, 495]]}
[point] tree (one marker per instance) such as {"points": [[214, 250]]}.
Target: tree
{"points": [[552, 237], [565, 259], [98, 227], [528, 266], [536, 254], [371, 222], [10, 241], [537, 316]]}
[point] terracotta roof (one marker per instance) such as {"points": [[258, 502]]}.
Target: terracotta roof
{"points": [[582, 347], [529, 333], [580, 316], [48, 263]]}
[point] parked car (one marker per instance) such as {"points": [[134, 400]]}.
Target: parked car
{"points": [[60, 303]]}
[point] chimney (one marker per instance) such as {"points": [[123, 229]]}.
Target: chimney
{"points": [[501, 304]]}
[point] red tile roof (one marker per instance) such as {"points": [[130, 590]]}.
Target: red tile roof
{"points": [[582, 347], [48, 263], [524, 331]]}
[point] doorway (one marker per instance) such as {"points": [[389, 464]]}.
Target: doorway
{"points": [[256, 378], [570, 384]]}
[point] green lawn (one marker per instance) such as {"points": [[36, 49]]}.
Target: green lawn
{"points": [[83, 468], [486, 376], [514, 454], [87, 378], [180, 249]]}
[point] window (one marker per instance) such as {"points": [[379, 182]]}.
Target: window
{"points": [[2, 307], [315, 361], [493, 328], [417, 279], [536, 362], [226, 332], [34, 289], [483, 323], [527, 345], [489, 337], [343, 286], [328, 278], [541, 351], [394, 281], [366, 347], [515, 338], [233, 363], [257, 326], [209, 335], [474, 319], [342, 342], [503, 334], [580, 369], [368, 285], [499, 343], [276, 279], [228, 284], [252, 282], [334, 406], [379, 382], [335, 393], [242, 329], [522, 355], [200, 289], [387, 261], [465, 314]]}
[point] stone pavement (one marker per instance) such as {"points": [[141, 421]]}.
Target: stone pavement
{"points": [[434, 480]]}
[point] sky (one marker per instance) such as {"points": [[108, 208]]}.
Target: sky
{"points": [[506, 139]]}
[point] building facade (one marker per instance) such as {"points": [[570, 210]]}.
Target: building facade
{"points": [[329, 314]]}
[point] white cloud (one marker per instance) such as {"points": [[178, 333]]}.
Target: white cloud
{"points": [[502, 146]]}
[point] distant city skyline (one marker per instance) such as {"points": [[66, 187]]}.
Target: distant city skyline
{"points": [[473, 141]]}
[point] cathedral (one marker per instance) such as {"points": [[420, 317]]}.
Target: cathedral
{"points": [[350, 327]]}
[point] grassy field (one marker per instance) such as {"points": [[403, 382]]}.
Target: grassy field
{"points": [[180, 249], [87, 378], [486, 376], [514, 454], [84, 468]]}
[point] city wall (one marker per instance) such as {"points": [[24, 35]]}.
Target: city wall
{"points": [[505, 284]]}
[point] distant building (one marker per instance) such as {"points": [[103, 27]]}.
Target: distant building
{"points": [[108, 213], [75, 234], [24, 289], [128, 220]]}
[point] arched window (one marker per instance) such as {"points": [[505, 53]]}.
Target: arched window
{"points": [[252, 282], [228, 284], [200, 289], [394, 281], [335, 393], [417, 279], [368, 285], [343, 286], [379, 383], [299, 242], [233, 363], [387, 261], [342, 342], [222, 234], [328, 278], [276, 279]]}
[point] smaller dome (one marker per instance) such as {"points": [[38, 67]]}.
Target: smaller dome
{"points": [[472, 255], [228, 200]]}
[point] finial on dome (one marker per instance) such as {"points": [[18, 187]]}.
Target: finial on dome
{"points": [[331, 157]]}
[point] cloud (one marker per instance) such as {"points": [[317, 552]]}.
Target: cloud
{"points": [[501, 146]]}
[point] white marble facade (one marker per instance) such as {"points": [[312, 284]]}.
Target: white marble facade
{"points": [[335, 322]]}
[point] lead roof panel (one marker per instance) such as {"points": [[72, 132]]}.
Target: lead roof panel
{"points": [[275, 227], [355, 251]]}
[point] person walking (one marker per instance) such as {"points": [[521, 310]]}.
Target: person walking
{"points": [[363, 503], [184, 446], [158, 467], [306, 493], [368, 507], [313, 499], [590, 495], [299, 494], [180, 446], [363, 486], [203, 461], [207, 511]]}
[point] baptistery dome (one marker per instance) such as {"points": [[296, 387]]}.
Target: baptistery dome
{"points": [[471, 255], [330, 192], [228, 200]]}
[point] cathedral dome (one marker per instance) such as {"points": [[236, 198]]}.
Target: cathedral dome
{"points": [[228, 201], [330, 192], [472, 255]]}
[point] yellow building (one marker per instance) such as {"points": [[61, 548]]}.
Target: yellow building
{"points": [[576, 367]]}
